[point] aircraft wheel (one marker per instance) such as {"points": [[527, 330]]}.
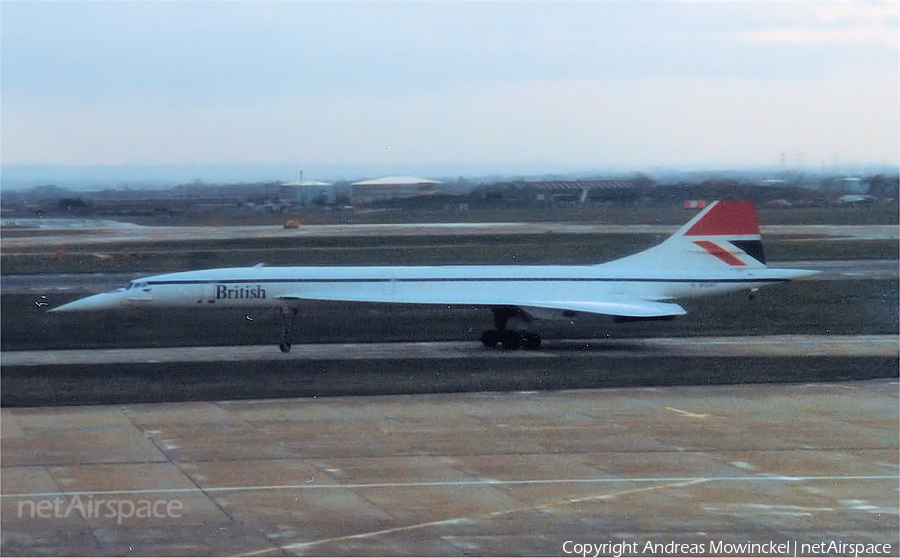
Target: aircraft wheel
{"points": [[490, 338], [531, 341], [285, 347], [511, 340]]}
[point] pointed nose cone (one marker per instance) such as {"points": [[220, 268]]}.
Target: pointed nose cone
{"points": [[103, 301]]}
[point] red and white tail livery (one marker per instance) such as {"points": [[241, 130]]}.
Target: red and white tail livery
{"points": [[718, 251], [725, 233]]}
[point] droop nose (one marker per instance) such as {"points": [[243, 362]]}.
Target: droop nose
{"points": [[102, 301]]}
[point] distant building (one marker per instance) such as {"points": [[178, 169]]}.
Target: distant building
{"points": [[307, 192], [392, 187], [778, 204], [847, 185], [856, 199], [557, 190]]}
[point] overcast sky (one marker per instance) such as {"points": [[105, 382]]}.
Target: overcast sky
{"points": [[564, 84]]}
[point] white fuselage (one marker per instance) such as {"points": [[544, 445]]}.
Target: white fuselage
{"points": [[261, 286]]}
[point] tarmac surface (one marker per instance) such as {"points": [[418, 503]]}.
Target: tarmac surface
{"points": [[700, 347], [215, 373], [518, 473]]}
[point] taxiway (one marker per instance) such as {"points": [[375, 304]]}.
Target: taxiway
{"points": [[700, 347], [145, 375]]}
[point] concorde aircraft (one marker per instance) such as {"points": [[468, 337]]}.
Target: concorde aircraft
{"points": [[718, 251]]}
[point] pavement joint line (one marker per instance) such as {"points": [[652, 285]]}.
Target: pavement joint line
{"points": [[567, 501], [698, 450], [460, 483], [158, 443], [689, 414], [453, 520]]}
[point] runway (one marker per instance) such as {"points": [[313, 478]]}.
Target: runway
{"points": [[518, 473], [53, 234], [698, 347]]}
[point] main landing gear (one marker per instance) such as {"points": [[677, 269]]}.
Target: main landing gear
{"points": [[510, 339], [288, 314]]}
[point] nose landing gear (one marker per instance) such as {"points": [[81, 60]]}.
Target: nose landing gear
{"points": [[288, 314]]}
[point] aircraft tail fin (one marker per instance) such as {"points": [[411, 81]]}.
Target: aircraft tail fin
{"points": [[725, 234]]}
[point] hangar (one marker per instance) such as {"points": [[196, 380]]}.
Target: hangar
{"points": [[392, 187]]}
